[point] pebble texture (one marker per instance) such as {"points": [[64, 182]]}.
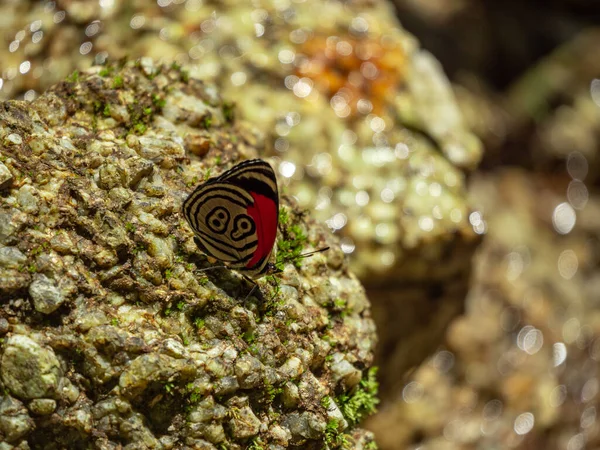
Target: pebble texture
{"points": [[112, 336], [361, 122]]}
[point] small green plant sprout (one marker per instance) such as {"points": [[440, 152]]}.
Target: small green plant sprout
{"points": [[117, 82], [256, 444], [363, 401], [371, 446], [105, 71], [140, 128], [339, 303], [333, 437], [249, 337], [272, 392], [129, 227], [290, 247], [284, 215], [170, 388], [185, 339], [158, 101], [194, 394], [74, 77]]}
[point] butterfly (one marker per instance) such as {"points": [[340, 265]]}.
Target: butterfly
{"points": [[235, 217]]}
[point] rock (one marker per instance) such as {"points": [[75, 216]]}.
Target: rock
{"points": [[244, 423], [29, 370], [11, 257], [42, 406], [197, 144], [4, 326], [6, 178], [362, 123], [15, 423], [149, 339], [45, 294]]}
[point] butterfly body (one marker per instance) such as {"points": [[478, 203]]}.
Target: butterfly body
{"points": [[235, 216]]}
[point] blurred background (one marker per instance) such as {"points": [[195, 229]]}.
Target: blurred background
{"points": [[452, 145]]}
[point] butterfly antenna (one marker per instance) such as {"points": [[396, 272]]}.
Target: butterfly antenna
{"points": [[211, 268], [306, 255]]}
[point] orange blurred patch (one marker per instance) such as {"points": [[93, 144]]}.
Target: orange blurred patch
{"points": [[364, 73]]}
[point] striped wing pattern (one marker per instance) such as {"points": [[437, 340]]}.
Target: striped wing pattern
{"points": [[235, 216]]}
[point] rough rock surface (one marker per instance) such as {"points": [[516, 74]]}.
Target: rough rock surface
{"points": [[362, 123], [113, 337]]}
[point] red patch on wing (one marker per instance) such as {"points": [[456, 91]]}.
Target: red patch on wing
{"points": [[264, 214]]}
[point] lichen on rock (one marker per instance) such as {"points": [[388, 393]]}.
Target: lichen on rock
{"points": [[113, 334]]}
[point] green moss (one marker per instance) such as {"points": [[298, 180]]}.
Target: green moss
{"points": [[170, 388], [140, 127], [363, 401], [130, 227], [168, 274], [272, 392], [194, 395], [326, 402], [106, 110], [371, 446], [256, 444], [207, 121], [199, 322], [74, 77], [106, 71], [117, 82], [249, 337], [158, 101], [185, 339], [290, 247], [114, 322], [148, 111], [180, 305], [333, 438], [284, 216], [185, 76], [339, 303]]}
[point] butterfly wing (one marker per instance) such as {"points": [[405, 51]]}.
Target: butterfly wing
{"points": [[217, 214], [235, 216]]}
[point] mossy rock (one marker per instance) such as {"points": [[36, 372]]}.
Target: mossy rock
{"points": [[114, 334]]}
